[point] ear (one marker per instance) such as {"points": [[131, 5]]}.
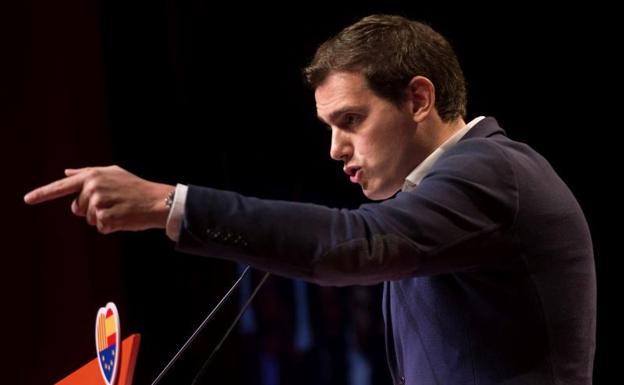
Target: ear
{"points": [[421, 95]]}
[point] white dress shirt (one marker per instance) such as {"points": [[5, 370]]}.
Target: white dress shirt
{"points": [[414, 177]]}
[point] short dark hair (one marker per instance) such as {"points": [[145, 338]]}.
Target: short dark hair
{"points": [[389, 51]]}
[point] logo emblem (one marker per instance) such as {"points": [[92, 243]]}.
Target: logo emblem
{"points": [[107, 334]]}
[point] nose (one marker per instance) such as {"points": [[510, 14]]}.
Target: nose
{"points": [[341, 147]]}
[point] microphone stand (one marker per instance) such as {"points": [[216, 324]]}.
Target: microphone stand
{"points": [[203, 324], [227, 333]]}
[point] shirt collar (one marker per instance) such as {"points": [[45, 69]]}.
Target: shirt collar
{"points": [[417, 175]]}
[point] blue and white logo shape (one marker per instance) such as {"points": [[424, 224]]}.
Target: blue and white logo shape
{"points": [[107, 334]]}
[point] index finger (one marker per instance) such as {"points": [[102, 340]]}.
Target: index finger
{"points": [[57, 189]]}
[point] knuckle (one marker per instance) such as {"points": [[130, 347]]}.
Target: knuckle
{"points": [[89, 187], [91, 216], [97, 200], [104, 218], [104, 225], [93, 174]]}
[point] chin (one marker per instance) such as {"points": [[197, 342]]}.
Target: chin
{"points": [[378, 194]]}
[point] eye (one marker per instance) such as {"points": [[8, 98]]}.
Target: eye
{"points": [[351, 120]]}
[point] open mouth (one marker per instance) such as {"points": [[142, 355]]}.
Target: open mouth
{"points": [[355, 174]]}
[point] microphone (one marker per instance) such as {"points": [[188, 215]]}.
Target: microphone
{"points": [[205, 322]]}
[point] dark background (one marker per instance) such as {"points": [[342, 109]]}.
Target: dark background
{"points": [[192, 92]]}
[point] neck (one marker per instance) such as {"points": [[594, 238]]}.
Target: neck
{"points": [[433, 132], [447, 129]]}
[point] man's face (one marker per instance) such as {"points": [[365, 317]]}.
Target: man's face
{"points": [[374, 138]]}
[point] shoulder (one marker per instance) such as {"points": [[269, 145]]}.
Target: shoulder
{"points": [[477, 158]]}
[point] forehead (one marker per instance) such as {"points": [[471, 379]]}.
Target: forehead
{"points": [[340, 90]]}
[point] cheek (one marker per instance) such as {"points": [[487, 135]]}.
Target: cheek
{"points": [[370, 153], [378, 156], [386, 146]]}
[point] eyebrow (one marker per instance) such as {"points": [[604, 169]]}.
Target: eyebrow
{"points": [[344, 110]]}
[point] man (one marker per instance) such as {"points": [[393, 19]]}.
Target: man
{"points": [[485, 254]]}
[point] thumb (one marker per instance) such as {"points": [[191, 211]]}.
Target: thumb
{"points": [[74, 171]]}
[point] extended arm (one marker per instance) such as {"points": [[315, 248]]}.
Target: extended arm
{"points": [[468, 199]]}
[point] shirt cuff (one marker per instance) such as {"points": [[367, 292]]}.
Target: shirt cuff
{"points": [[174, 220]]}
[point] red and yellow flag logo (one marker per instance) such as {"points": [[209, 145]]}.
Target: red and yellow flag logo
{"points": [[107, 334]]}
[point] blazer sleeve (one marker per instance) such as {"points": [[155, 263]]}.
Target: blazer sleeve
{"points": [[468, 200]]}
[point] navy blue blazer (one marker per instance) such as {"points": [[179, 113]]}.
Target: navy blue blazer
{"points": [[488, 264]]}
